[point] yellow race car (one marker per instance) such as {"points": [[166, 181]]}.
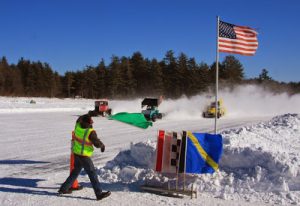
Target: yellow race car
{"points": [[210, 110]]}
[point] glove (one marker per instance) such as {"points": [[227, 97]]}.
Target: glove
{"points": [[103, 148]]}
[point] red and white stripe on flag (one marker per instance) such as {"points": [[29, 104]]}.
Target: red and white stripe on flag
{"points": [[159, 150], [167, 152], [237, 39]]}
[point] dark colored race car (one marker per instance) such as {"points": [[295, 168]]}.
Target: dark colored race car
{"points": [[101, 108], [151, 111]]}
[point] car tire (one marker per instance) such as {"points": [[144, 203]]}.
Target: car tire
{"points": [[154, 118], [159, 116]]}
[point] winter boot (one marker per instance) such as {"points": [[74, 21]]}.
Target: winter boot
{"points": [[103, 195], [61, 192]]}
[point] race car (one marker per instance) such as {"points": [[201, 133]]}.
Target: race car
{"points": [[151, 112], [101, 108], [210, 110]]}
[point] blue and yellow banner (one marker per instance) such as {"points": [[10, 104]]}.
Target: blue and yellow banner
{"points": [[203, 152]]}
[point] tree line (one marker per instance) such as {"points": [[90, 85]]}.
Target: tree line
{"points": [[128, 77]]}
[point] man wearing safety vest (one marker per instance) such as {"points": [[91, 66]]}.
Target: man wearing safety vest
{"points": [[85, 139]]}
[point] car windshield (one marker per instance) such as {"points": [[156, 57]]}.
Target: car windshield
{"points": [[213, 104]]}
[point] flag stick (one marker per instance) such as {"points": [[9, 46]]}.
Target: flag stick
{"points": [[177, 177], [177, 166], [217, 77], [179, 161], [184, 181], [184, 160]]}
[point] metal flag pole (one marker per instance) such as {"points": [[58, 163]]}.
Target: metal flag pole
{"points": [[217, 76]]}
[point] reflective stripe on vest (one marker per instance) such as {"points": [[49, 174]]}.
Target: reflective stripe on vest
{"points": [[81, 141], [82, 145]]}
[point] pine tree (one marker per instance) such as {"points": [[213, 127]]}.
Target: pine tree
{"points": [[56, 85], [204, 77], [233, 70], [168, 68], [264, 75], [79, 84], [212, 73], [128, 83], [68, 84], [3, 71], [89, 82], [140, 73], [156, 77], [182, 78], [23, 67], [102, 83], [16, 86], [116, 77]]}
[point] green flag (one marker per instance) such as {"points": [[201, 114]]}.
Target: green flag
{"points": [[136, 119]]}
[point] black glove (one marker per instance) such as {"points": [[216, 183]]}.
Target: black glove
{"points": [[103, 148]]}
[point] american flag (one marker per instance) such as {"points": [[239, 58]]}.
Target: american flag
{"points": [[237, 39]]}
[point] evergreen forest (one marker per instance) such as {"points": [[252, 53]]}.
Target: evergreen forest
{"points": [[130, 77]]}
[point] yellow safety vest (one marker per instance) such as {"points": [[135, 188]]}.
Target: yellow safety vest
{"points": [[82, 144]]}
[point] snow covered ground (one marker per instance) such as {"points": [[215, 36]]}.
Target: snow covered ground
{"points": [[260, 164]]}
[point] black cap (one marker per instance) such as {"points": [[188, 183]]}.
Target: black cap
{"points": [[86, 119]]}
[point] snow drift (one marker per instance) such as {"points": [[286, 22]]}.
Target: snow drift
{"points": [[261, 161]]}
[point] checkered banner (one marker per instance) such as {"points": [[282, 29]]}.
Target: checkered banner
{"points": [[188, 152]]}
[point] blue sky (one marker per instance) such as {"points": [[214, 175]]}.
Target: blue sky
{"points": [[71, 34]]}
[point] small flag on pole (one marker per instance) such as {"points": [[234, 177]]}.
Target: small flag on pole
{"points": [[203, 152], [237, 39]]}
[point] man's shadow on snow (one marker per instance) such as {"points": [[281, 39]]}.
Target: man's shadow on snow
{"points": [[30, 186], [20, 162]]}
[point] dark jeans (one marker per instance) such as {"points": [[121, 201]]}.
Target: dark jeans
{"points": [[86, 163]]}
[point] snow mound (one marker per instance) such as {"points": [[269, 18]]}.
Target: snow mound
{"points": [[273, 146], [131, 165], [261, 161]]}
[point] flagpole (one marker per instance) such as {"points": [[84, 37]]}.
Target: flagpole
{"points": [[217, 76], [185, 161]]}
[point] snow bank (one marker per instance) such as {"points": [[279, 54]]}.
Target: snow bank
{"points": [[131, 165], [261, 161]]}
